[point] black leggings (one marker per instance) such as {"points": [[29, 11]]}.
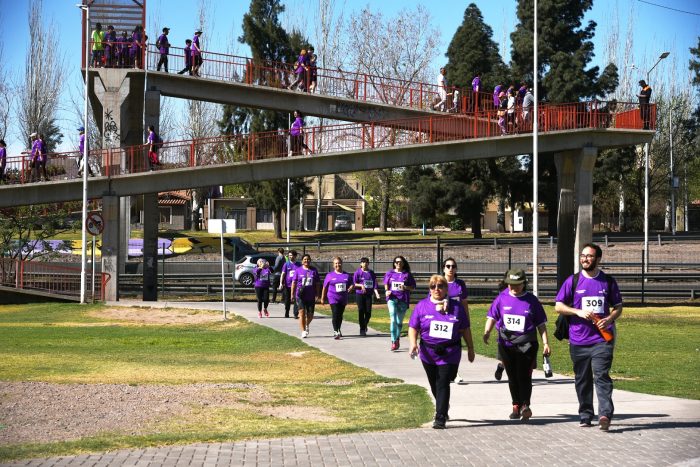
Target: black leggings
{"points": [[519, 368], [439, 377], [289, 301], [337, 310], [263, 294], [364, 309]]}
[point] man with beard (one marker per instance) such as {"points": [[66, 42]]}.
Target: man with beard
{"points": [[591, 300]]}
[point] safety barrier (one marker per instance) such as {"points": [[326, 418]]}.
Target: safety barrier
{"points": [[49, 278], [227, 149]]}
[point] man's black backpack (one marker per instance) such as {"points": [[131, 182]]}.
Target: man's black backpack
{"points": [[561, 325]]}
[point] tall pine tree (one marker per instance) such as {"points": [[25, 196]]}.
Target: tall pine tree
{"points": [[269, 42], [565, 50]]}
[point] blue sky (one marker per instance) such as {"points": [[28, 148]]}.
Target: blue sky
{"points": [[655, 29]]}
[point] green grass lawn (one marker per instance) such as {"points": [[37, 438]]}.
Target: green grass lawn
{"points": [[67, 343], [658, 348]]}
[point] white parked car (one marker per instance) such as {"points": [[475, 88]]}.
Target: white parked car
{"points": [[243, 273]]}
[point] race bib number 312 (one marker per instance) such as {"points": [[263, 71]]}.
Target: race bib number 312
{"points": [[441, 329]]}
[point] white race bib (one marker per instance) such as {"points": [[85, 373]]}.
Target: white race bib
{"points": [[514, 323], [291, 273], [264, 277], [595, 304], [368, 284], [397, 286], [307, 281], [441, 329], [340, 287]]}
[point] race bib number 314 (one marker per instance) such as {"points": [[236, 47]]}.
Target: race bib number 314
{"points": [[514, 323]]}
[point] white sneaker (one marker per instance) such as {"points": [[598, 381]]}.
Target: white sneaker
{"points": [[304, 334]]}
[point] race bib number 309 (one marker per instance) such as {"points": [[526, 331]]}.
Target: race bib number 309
{"points": [[593, 304]]}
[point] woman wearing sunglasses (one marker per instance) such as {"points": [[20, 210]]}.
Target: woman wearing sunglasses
{"points": [[441, 324], [456, 290], [306, 286], [398, 283]]}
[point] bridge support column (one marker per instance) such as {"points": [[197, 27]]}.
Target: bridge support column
{"points": [[150, 247], [110, 245], [575, 216], [585, 163]]}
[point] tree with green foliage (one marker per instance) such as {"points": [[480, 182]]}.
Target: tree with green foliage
{"points": [[425, 191], [565, 49], [472, 50], [693, 129], [269, 42]]}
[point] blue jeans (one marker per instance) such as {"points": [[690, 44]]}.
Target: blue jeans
{"points": [[397, 310]]}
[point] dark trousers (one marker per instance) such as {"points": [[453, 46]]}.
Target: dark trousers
{"points": [[288, 301], [439, 377], [519, 368], [275, 286], [592, 365], [364, 309], [163, 62], [263, 295], [188, 69], [337, 310], [645, 113]]}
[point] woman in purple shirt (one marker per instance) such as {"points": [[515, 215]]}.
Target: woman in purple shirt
{"points": [[296, 134], [518, 315], [196, 50], [441, 324], [398, 283], [456, 289], [300, 67], [336, 286], [135, 49], [365, 286], [306, 286], [3, 159], [262, 275]]}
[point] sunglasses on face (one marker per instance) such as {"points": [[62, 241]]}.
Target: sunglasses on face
{"points": [[587, 256], [438, 286], [398, 261], [451, 266]]}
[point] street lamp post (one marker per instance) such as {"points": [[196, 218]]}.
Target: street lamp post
{"points": [[83, 265], [646, 181], [535, 165]]}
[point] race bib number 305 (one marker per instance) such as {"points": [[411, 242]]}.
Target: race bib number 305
{"points": [[594, 304], [441, 329], [514, 323]]}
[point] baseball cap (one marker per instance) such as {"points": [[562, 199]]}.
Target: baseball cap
{"points": [[166, 29], [515, 277], [81, 128], [33, 135]]}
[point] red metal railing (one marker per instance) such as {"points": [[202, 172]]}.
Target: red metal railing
{"points": [[338, 83], [334, 138], [43, 277]]}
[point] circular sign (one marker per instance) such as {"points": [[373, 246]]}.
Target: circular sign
{"points": [[94, 223]]}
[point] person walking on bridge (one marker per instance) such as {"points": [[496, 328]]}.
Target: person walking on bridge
{"points": [[98, 47], [644, 107], [188, 58], [3, 159], [591, 302], [196, 53], [163, 47], [442, 91], [81, 150]]}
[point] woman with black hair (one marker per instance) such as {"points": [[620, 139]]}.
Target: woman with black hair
{"points": [[398, 283]]}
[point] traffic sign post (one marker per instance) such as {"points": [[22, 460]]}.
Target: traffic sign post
{"points": [[94, 223]]}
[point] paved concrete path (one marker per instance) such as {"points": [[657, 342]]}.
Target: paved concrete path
{"points": [[647, 430]]}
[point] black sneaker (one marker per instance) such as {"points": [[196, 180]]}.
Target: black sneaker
{"points": [[499, 372], [439, 423], [585, 423], [515, 414]]}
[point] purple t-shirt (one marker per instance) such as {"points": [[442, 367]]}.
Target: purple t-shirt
{"points": [[338, 284], [591, 294], [306, 280], [395, 282], [496, 92], [301, 62], [367, 278], [456, 290], [262, 277], [164, 45], [3, 154], [519, 315], [289, 270], [151, 137], [195, 45], [297, 125], [188, 55], [476, 83], [81, 144], [39, 150], [135, 41], [436, 327]]}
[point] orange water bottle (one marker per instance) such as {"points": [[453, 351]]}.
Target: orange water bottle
{"points": [[606, 333]]}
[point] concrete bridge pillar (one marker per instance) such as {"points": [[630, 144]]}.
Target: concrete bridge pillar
{"points": [[575, 216], [111, 245], [151, 216]]}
